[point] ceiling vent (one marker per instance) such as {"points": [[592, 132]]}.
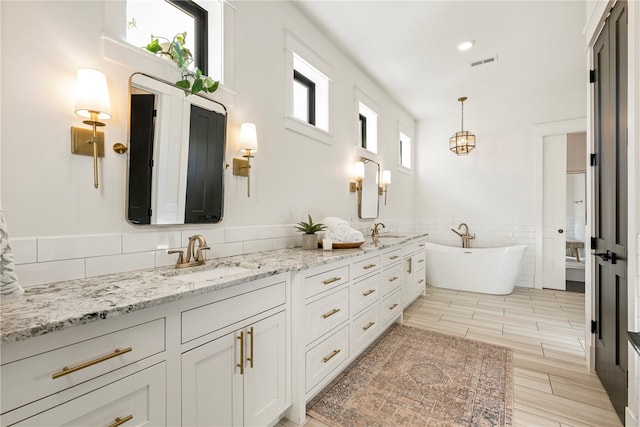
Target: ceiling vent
{"points": [[484, 61]]}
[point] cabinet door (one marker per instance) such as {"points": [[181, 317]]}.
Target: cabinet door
{"points": [[211, 394], [136, 400], [265, 371]]}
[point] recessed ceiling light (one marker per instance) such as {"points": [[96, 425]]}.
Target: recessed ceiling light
{"points": [[466, 45]]}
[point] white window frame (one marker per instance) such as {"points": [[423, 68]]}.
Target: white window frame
{"points": [[402, 149], [367, 107], [404, 130], [308, 62]]}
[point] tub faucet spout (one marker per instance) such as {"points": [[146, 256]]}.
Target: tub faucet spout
{"points": [[466, 236]]}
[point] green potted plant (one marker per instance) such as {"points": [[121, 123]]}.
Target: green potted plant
{"points": [[310, 238], [192, 80]]}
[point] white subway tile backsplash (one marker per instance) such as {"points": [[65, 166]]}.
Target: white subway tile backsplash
{"points": [[25, 250], [163, 259], [212, 236], [275, 231], [150, 241], [98, 266], [252, 246], [49, 272], [226, 249], [70, 247], [239, 234]]}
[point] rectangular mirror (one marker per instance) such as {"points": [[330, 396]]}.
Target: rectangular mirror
{"points": [[176, 155], [368, 202]]}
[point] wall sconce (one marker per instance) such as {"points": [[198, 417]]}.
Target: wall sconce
{"points": [[92, 103], [358, 175], [384, 183], [248, 143]]}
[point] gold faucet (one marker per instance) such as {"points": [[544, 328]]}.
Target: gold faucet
{"points": [[185, 260], [374, 230], [466, 236]]}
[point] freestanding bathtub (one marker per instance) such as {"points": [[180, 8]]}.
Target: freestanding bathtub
{"points": [[485, 270]]}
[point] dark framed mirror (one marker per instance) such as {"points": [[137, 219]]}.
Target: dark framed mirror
{"points": [[176, 155]]}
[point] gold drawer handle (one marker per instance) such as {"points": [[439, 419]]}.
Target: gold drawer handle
{"points": [[369, 292], [393, 279], [394, 257], [241, 364], [393, 306], [334, 279], [331, 313], [66, 370], [370, 324], [331, 356], [366, 267], [119, 421], [421, 245], [250, 358], [421, 280], [420, 260]]}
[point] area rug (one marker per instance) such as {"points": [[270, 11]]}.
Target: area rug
{"points": [[416, 377]]}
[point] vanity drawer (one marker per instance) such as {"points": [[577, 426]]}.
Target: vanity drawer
{"points": [[140, 398], [365, 266], [35, 377], [315, 284], [391, 279], [390, 257], [211, 317], [364, 293], [322, 359], [391, 307], [420, 260], [364, 328], [325, 314]]}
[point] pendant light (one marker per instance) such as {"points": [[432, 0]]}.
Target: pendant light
{"points": [[462, 142]]}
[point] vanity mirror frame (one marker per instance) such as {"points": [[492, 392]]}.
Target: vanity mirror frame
{"points": [[368, 197], [171, 183]]}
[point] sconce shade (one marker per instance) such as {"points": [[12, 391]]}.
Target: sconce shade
{"points": [[386, 177], [358, 170], [92, 94], [248, 141], [462, 142]]}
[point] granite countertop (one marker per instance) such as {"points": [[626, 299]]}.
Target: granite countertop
{"points": [[51, 307]]}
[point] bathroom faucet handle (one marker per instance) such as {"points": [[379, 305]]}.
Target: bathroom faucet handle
{"points": [[180, 256], [199, 255]]}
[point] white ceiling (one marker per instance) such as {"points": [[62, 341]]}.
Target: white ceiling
{"points": [[409, 47]]}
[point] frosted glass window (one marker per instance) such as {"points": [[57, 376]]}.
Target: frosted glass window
{"points": [[405, 151], [367, 128]]}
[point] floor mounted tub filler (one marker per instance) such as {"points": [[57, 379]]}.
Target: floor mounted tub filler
{"points": [[484, 270]]}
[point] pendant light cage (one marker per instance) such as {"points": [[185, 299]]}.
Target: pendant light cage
{"points": [[463, 141]]}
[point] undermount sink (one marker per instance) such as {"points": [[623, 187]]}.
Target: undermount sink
{"points": [[211, 274]]}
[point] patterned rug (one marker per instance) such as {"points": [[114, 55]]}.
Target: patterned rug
{"points": [[415, 377]]}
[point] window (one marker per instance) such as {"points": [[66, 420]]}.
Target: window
{"points": [[368, 128], [405, 151], [310, 94], [170, 17], [304, 98]]}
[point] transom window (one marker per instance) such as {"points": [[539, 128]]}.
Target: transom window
{"points": [[405, 151], [166, 19], [310, 94], [304, 98], [367, 128]]}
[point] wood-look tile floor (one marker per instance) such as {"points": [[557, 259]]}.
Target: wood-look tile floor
{"points": [[545, 329]]}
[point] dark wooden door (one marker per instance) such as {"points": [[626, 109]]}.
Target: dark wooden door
{"points": [[204, 202], [141, 158], [610, 174]]}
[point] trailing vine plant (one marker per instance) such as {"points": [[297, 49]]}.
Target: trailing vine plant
{"points": [[192, 80]]}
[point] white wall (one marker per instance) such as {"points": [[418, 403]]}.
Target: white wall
{"points": [[493, 188], [48, 193]]}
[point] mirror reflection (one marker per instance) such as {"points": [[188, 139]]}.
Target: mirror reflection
{"points": [[368, 206], [176, 155]]}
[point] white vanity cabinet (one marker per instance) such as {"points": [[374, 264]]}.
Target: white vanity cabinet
{"points": [[111, 373], [414, 260], [234, 367]]}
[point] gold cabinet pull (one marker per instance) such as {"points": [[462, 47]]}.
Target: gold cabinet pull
{"points": [[331, 313], [421, 260], [331, 356], [250, 358], [333, 279], [421, 280], [421, 245], [66, 370], [366, 267], [393, 306], [119, 421], [369, 292], [394, 257], [410, 266], [241, 364], [370, 324], [393, 279]]}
